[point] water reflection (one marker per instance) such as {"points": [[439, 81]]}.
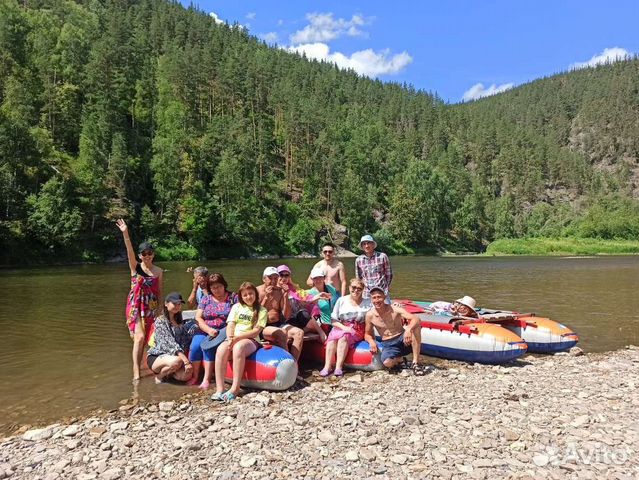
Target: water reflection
{"points": [[67, 350]]}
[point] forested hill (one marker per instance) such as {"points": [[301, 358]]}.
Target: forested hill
{"points": [[213, 144]]}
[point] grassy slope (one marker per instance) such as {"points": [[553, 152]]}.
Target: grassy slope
{"points": [[562, 246]]}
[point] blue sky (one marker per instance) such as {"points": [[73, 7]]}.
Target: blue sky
{"points": [[458, 49]]}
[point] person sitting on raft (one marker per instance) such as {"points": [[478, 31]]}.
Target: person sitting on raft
{"points": [[348, 318], [300, 302], [397, 340], [245, 322], [277, 331], [200, 286], [211, 315], [142, 301], [326, 303], [169, 342], [463, 307]]}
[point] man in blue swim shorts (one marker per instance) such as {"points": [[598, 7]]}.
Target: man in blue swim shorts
{"points": [[398, 339]]}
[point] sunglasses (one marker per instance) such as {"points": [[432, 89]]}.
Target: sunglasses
{"points": [[359, 289], [327, 251], [285, 274], [147, 254]]}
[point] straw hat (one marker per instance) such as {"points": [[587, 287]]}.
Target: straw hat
{"points": [[468, 302]]}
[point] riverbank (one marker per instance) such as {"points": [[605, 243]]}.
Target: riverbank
{"points": [[542, 417], [562, 246]]}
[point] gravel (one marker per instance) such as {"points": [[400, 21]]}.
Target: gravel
{"points": [[563, 416]]}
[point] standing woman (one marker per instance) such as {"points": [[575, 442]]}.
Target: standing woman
{"points": [[349, 320], [211, 315], [142, 302], [245, 322]]}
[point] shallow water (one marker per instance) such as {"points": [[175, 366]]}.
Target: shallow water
{"points": [[67, 350]]}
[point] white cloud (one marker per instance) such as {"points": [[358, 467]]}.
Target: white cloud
{"points": [[217, 19], [607, 56], [478, 91], [251, 15], [365, 62], [280, 22], [323, 27], [270, 37]]}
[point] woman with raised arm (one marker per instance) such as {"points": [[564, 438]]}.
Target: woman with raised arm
{"points": [[142, 301]]}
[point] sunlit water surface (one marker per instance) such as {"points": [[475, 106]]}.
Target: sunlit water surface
{"points": [[67, 350]]}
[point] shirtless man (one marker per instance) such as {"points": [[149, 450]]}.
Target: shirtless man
{"points": [[397, 339], [276, 302], [333, 268]]}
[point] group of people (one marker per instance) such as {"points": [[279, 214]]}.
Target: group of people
{"points": [[233, 325]]}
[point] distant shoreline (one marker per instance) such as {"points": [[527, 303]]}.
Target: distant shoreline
{"points": [[551, 247]]}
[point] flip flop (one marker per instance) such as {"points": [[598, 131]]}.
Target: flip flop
{"points": [[325, 372], [217, 397], [338, 372], [228, 397]]}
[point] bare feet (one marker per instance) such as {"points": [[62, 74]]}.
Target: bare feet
{"points": [[192, 382], [205, 385]]}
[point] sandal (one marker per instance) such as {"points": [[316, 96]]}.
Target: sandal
{"points": [[217, 397], [325, 372], [418, 369], [228, 397], [338, 372]]}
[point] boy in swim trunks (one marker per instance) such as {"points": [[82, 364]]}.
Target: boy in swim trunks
{"points": [[397, 339]]}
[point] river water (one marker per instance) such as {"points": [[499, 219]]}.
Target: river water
{"points": [[67, 350]]}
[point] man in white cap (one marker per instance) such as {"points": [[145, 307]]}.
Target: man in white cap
{"points": [[373, 267], [273, 298]]}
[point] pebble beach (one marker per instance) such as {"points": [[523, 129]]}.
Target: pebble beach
{"points": [[562, 416]]}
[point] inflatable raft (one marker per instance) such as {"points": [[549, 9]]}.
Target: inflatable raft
{"points": [[269, 368], [358, 358], [541, 334]]}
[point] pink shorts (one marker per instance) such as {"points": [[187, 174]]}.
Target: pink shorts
{"points": [[337, 333]]}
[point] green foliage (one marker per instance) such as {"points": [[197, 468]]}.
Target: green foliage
{"points": [[214, 144], [388, 244], [175, 249], [301, 238], [52, 217], [562, 246], [610, 218]]}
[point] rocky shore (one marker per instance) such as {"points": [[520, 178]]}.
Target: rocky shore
{"points": [[556, 417]]}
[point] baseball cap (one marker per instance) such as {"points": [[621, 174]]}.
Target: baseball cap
{"points": [[174, 297], [268, 271]]}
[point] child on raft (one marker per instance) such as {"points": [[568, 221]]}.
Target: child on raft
{"points": [[143, 298], [348, 320], [245, 322]]}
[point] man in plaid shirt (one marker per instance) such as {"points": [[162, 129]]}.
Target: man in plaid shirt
{"points": [[373, 267]]}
